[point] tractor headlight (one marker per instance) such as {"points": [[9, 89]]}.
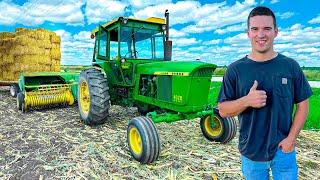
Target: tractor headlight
{"points": [[125, 20], [123, 60], [163, 27]]}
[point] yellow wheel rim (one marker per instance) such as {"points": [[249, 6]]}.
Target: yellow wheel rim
{"points": [[214, 132], [135, 141], [84, 97]]}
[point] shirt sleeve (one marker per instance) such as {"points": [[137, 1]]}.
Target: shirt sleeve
{"points": [[302, 89], [227, 89]]}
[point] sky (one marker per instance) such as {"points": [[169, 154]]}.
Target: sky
{"points": [[212, 31]]}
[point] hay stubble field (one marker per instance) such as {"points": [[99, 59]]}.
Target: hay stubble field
{"points": [[55, 144]]}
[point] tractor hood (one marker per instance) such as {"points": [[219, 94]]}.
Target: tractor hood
{"points": [[180, 68]]}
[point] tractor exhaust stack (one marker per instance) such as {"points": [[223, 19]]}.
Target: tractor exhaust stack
{"points": [[167, 43]]}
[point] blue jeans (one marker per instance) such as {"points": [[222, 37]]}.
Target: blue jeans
{"points": [[283, 166]]}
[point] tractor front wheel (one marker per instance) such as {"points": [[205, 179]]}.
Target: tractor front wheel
{"points": [[224, 129], [143, 140], [93, 97]]}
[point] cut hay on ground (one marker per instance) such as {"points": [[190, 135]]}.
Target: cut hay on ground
{"points": [[54, 144]]}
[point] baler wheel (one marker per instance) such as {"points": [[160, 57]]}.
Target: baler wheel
{"points": [[143, 140], [14, 90], [93, 97], [20, 100], [224, 131]]}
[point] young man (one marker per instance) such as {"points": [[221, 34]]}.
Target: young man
{"points": [[261, 90]]}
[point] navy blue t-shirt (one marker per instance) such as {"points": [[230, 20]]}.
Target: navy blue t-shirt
{"points": [[262, 129]]}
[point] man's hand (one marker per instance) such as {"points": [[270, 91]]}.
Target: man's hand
{"points": [[287, 145], [256, 98]]}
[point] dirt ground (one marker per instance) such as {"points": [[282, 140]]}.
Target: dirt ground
{"points": [[55, 144]]}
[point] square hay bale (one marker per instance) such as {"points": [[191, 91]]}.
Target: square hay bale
{"points": [[55, 39], [6, 35], [29, 50], [55, 53], [8, 58]]}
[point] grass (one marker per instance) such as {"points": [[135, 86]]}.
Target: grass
{"points": [[314, 104]]}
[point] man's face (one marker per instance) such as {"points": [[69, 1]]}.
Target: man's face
{"points": [[262, 33]]}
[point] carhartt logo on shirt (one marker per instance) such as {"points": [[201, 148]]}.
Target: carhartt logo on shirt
{"points": [[284, 81]]}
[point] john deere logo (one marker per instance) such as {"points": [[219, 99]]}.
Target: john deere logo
{"points": [[172, 73]]}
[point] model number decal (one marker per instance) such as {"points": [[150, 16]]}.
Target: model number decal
{"points": [[177, 98]]}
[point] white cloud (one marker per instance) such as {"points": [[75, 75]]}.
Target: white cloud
{"points": [[180, 12], [198, 48], [101, 11], [9, 13], [274, 1], [285, 15], [185, 42], [315, 20], [212, 42], [138, 4], [76, 49], [308, 50], [241, 39], [36, 12], [233, 28], [223, 16], [176, 33]]}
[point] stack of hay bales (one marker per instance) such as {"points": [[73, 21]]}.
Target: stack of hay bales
{"points": [[28, 50]]}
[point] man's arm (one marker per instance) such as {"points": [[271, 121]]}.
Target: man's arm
{"points": [[255, 98], [299, 119]]}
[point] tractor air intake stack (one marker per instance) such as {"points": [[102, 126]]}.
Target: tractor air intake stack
{"points": [[167, 43]]}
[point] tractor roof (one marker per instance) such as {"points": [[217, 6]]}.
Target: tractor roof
{"points": [[153, 20]]}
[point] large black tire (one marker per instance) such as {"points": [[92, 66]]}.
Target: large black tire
{"points": [[224, 131], [93, 97], [20, 100], [14, 90], [143, 140]]}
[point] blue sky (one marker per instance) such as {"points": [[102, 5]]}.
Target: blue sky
{"points": [[213, 31]]}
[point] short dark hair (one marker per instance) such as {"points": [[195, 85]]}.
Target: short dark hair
{"points": [[262, 11]]}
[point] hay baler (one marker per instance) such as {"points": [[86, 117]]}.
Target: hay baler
{"points": [[132, 67], [46, 88]]}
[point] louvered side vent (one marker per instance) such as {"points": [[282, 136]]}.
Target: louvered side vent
{"points": [[164, 88]]}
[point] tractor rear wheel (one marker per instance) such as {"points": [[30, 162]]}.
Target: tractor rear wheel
{"points": [[93, 97], [14, 90], [143, 140], [224, 130]]}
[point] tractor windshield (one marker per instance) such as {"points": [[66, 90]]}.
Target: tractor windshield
{"points": [[139, 43]]}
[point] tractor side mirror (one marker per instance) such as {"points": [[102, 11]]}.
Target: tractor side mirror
{"points": [[167, 50]]}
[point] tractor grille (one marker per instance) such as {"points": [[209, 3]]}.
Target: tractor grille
{"points": [[164, 88], [204, 72]]}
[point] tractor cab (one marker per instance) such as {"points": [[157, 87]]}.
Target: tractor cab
{"points": [[125, 42]]}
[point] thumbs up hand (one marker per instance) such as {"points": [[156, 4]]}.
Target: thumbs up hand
{"points": [[256, 98]]}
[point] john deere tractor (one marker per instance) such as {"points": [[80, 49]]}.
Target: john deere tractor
{"points": [[132, 67]]}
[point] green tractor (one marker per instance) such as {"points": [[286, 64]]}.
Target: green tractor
{"points": [[132, 67]]}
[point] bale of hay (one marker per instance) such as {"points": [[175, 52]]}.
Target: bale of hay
{"points": [[55, 39], [5, 35], [28, 50]]}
